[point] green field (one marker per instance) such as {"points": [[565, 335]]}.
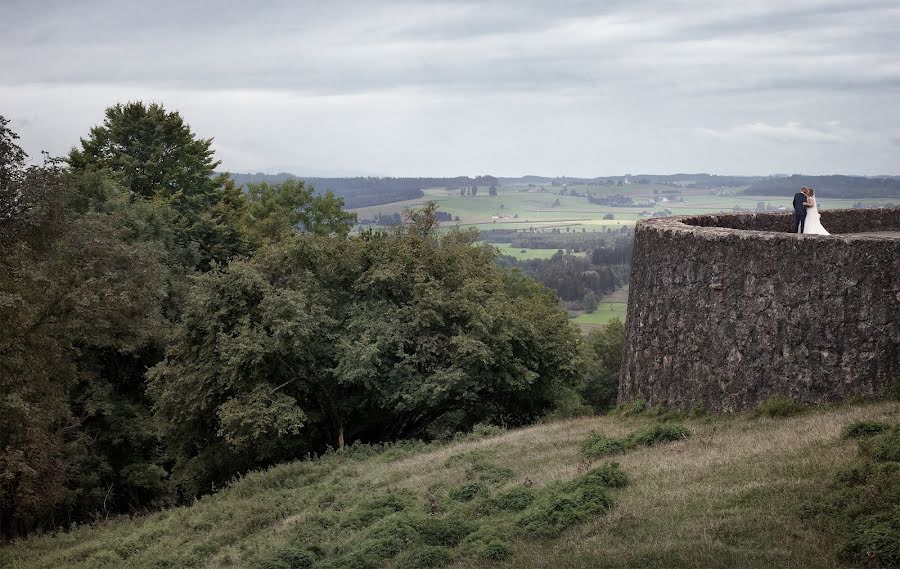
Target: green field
{"points": [[728, 496], [613, 306], [528, 254], [518, 207]]}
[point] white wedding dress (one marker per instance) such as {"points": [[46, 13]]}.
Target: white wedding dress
{"points": [[813, 224]]}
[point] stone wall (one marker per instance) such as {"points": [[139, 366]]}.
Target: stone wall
{"points": [[729, 310]]}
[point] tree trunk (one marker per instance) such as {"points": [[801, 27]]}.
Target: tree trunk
{"points": [[341, 435]]}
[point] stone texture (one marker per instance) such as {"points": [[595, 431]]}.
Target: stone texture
{"points": [[729, 310]]}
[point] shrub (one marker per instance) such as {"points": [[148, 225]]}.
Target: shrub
{"points": [[572, 502], [467, 492], [657, 434], [495, 550], [513, 500], [885, 446], [874, 538], [777, 407], [424, 557], [598, 445], [863, 428], [444, 531], [570, 404], [610, 475]]}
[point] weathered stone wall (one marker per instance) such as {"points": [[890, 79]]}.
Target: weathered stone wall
{"points": [[729, 310]]}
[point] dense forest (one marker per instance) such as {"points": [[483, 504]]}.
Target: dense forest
{"points": [[163, 330], [849, 187]]}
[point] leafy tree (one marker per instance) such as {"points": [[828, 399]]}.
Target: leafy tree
{"points": [[76, 290], [604, 354], [155, 153], [275, 212], [374, 337]]}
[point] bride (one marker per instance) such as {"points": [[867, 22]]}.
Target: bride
{"points": [[813, 223]]}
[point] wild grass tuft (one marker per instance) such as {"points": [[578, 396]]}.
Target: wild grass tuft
{"points": [[778, 407], [598, 445]]}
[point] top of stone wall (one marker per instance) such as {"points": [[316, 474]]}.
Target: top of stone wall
{"points": [[845, 225]]}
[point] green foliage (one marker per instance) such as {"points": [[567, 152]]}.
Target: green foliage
{"points": [[495, 550], [515, 499], [657, 434], [467, 492], [631, 409], [778, 407], [864, 428], [862, 502], [604, 349], [569, 404], [449, 531], [424, 557], [598, 445], [572, 502], [374, 336], [884, 446]]}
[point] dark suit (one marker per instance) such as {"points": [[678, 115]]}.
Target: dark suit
{"points": [[799, 212]]}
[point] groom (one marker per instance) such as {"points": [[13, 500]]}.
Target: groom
{"points": [[800, 205]]}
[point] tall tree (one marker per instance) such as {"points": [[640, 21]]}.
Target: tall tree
{"points": [[75, 290]]}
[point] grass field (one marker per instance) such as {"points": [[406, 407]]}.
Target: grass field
{"points": [[527, 254], [613, 306], [523, 208], [729, 496]]}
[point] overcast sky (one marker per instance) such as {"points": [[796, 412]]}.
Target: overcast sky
{"points": [[464, 88]]}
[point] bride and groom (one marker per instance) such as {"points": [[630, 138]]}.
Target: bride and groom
{"points": [[806, 213]]}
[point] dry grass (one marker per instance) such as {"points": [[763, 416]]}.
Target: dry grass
{"points": [[727, 497]]}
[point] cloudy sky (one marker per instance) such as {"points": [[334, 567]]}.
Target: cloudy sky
{"points": [[451, 88]]}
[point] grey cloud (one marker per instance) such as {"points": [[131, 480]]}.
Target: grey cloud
{"points": [[639, 71]]}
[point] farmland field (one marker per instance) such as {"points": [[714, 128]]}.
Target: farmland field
{"points": [[613, 306], [520, 207]]}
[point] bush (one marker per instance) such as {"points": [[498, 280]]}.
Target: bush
{"points": [[777, 407], [513, 500], [657, 434], [495, 550], [884, 446], [444, 531], [610, 475], [598, 445], [467, 492], [863, 428], [570, 404], [424, 557], [573, 502]]}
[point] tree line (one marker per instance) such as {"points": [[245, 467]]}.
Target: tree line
{"points": [[852, 187], [163, 330]]}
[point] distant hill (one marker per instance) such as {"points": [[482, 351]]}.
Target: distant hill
{"points": [[368, 191], [848, 187], [729, 495]]}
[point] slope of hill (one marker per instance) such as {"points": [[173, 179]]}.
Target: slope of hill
{"points": [[730, 495]]}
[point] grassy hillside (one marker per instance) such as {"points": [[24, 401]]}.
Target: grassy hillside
{"points": [[728, 496]]}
